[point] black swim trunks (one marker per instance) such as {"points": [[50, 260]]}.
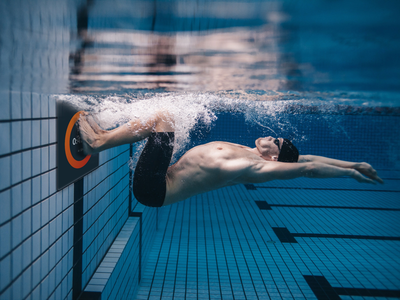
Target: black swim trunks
{"points": [[149, 183]]}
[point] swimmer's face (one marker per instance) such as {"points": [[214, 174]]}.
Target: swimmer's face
{"points": [[269, 147]]}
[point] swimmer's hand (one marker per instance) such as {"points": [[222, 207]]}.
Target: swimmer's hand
{"points": [[368, 171]]}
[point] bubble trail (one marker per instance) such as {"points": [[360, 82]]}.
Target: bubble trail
{"points": [[188, 110]]}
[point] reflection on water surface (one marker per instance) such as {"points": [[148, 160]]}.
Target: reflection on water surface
{"points": [[315, 48], [214, 46], [227, 60]]}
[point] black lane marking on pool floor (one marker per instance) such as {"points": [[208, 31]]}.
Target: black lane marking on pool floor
{"points": [[285, 236], [368, 292], [263, 205], [269, 206], [250, 187], [320, 189], [323, 290], [347, 236], [321, 287]]}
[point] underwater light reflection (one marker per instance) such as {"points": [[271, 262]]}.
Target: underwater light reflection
{"points": [[219, 60], [133, 46]]}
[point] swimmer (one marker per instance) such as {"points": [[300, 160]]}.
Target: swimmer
{"points": [[210, 166]]}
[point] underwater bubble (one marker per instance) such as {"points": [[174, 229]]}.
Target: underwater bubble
{"points": [[191, 112]]}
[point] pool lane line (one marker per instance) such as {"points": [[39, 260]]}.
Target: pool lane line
{"points": [[322, 289], [264, 205], [253, 187], [285, 236]]}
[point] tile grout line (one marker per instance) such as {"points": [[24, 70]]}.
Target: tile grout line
{"points": [[247, 207], [239, 241], [214, 247], [180, 228], [230, 239], [265, 246]]}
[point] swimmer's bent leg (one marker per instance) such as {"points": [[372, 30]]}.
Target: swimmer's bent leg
{"points": [[149, 182]]}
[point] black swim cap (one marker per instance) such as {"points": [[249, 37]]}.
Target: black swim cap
{"points": [[289, 152]]}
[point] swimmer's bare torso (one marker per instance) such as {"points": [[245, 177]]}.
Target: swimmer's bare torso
{"points": [[219, 164], [209, 167]]}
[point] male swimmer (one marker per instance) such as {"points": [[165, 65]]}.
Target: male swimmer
{"points": [[210, 166]]}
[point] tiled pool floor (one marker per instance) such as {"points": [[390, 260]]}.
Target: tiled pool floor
{"points": [[331, 239]]}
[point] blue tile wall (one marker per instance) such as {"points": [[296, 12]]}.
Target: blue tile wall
{"points": [[35, 51], [117, 275], [106, 202], [105, 207], [36, 221]]}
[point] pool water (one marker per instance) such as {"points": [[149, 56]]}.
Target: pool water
{"points": [[295, 239], [323, 73]]}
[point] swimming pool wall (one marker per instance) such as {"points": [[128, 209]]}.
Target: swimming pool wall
{"points": [[52, 242], [37, 221], [83, 238], [80, 240]]}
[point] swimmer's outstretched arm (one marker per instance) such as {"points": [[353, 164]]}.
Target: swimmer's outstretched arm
{"points": [[96, 139], [362, 167], [267, 171]]}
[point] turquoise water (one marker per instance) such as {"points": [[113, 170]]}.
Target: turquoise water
{"points": [[322, 73]]}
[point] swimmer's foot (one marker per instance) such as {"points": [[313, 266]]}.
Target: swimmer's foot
{"points": [[91, 140], [96, 128]]}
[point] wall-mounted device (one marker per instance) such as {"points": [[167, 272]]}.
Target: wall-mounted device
{"points": [[72, 163]]}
